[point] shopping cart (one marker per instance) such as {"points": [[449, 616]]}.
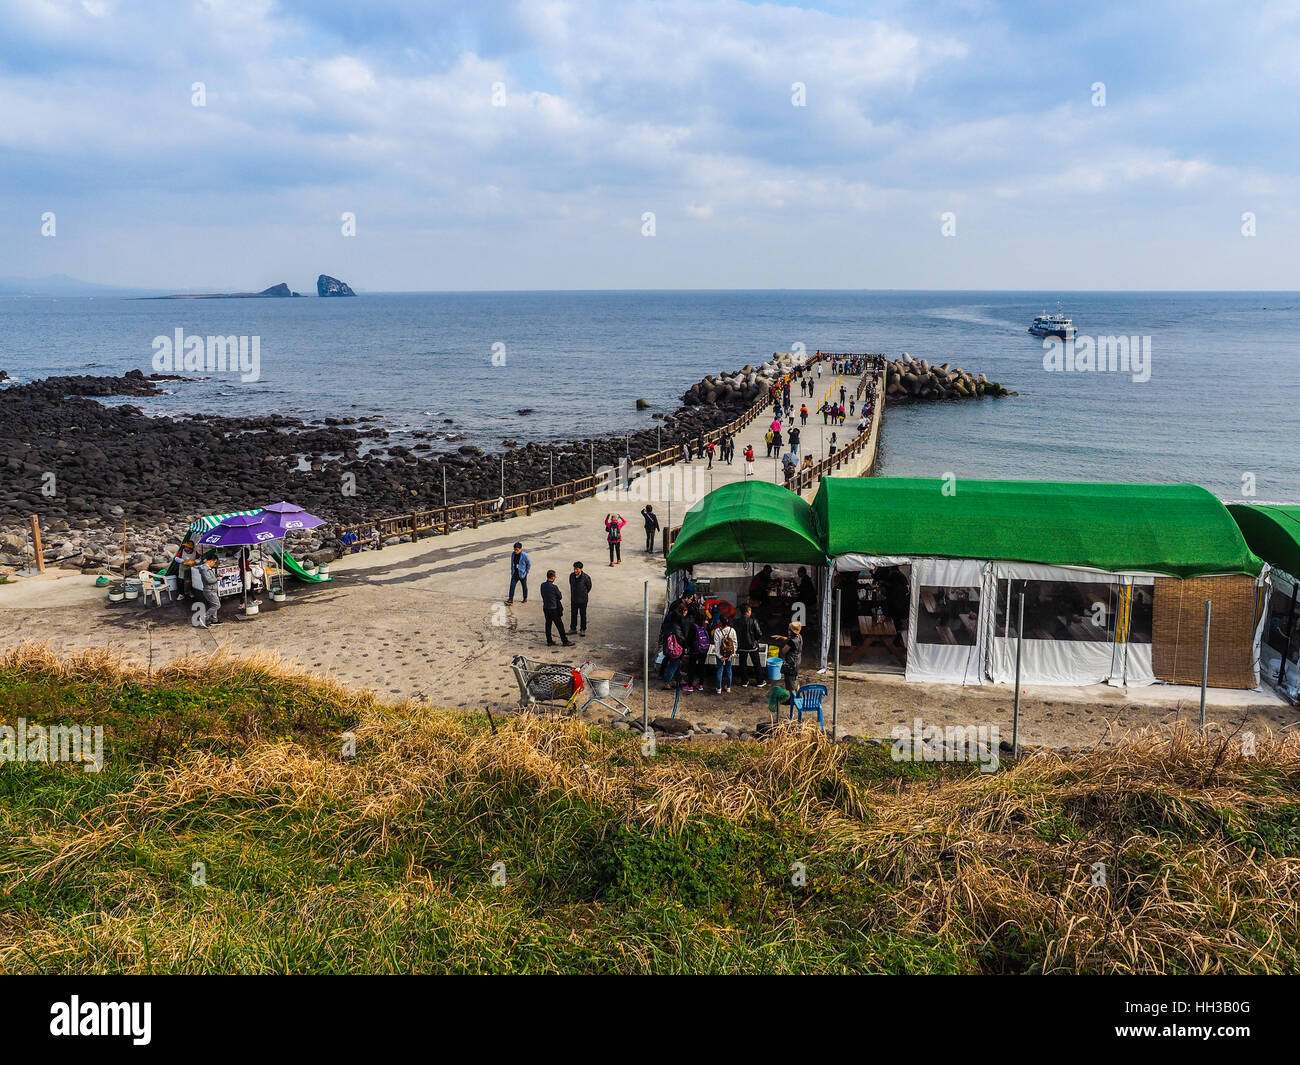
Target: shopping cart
{"points": [[606, 687], [546, 684]]}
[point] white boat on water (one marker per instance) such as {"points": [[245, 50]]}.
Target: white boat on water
{"points": [[1053, 325]]}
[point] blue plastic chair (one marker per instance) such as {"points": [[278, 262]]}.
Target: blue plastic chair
{"points": [[807, 700]]}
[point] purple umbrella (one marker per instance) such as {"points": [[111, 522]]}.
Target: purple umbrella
{"points": [[242, 531], [288, 516]]}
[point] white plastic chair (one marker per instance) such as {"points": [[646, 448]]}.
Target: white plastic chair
{"points": [[155, 586]]}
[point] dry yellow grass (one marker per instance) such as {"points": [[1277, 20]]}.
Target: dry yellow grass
{"points": [[993, 872]]}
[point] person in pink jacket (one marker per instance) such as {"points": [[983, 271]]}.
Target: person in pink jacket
{"points": [[614, 535]]}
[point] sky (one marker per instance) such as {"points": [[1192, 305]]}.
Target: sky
{"points": [[218, 145]]}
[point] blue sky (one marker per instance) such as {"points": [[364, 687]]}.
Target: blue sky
{"points": [[682, 108]]}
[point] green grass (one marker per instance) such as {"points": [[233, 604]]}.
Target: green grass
{"points": [[612, 862]]}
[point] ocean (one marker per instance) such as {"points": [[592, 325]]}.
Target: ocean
{"points": [[1219, 408]]}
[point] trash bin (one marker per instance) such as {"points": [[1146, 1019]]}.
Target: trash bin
{"points": [[774, 668]]}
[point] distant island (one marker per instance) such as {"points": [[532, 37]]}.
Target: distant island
{"points": [[325, 286], [332, 286], [274, 292]]}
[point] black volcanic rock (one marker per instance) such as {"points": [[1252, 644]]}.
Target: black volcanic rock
{"points": [[332, 286], [276, 290]]}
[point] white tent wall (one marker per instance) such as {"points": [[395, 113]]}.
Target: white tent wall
{"points": [[1268, 578], [943, 662], [1063, 661], [828, 597]]}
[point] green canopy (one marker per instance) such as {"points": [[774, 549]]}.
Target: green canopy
{"points": [[1272, 531], [749, 521], [1181, 529]]}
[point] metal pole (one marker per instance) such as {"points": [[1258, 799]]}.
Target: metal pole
{"points": [[1290, 631], [645, 658], [659, 437], [503, 477], [835, 697], [593, 456], [1205, 662], [444, 488], [1015, 714], [551, 456]]}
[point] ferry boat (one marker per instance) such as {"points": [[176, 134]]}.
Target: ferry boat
{"points": [[1053, 325]]}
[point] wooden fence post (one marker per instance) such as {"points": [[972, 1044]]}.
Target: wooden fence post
{"points": [[36, 544], [415, 528]]}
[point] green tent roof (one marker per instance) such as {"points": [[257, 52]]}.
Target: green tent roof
{"points": [[1181, 530], [749, 521], [1272, 531]]}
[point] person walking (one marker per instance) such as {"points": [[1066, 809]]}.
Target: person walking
{"points": [[204, 576], [749, 460], [651, 520], [794, 440], [803, 414], [553, 609], [520, 564], [579, 592], [709, 450], [686, 448], [767, 439], [749, 640], [614, 537], [777, 442]]}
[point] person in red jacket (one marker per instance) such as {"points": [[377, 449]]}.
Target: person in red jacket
{"points": [[614, 536]]}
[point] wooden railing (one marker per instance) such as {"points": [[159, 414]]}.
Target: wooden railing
{"points": [[873, 381], [443, 520], [806, 479]]}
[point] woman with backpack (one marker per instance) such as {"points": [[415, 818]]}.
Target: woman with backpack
{"points": [[698, 643], [614, 535], [724, 646], [672, 640]]}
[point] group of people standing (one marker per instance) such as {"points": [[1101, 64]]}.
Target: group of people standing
{"points": [[552, 597], [579, 580], [724, 448], [690, 635]]}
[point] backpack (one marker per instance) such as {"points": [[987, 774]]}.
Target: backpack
{"points": [[673, 647], [701, 640], [728, 647]]}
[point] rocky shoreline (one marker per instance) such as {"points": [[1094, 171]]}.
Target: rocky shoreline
{"points": [[85, 468]]}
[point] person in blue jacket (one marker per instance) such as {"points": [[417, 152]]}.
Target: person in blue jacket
{"points": [[519, 567]]}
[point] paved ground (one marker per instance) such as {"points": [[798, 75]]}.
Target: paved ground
{"points": [[428, 620]]}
